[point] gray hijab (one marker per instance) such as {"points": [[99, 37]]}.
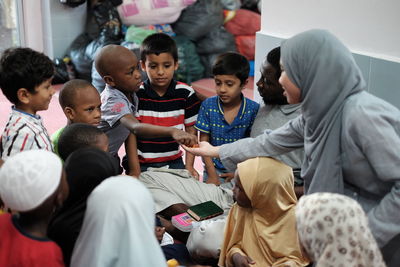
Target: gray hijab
{"points": [[326, 73]]}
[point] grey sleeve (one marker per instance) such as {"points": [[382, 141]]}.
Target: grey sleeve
{"points": [[378, 136], [114, 109], [284, 139]]}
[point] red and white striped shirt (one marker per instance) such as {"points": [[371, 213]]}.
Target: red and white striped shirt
{"points": [[178, 108], [23, 131]]}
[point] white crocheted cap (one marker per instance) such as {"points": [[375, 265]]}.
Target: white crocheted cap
{"points": [[28, 178]]}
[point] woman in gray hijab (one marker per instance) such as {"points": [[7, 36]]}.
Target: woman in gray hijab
{"points": [[350, 137]]}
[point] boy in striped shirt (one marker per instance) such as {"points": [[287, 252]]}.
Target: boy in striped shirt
{"points": [[25, 79], [165, 102]]}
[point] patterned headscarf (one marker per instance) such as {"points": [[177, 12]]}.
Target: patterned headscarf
{"points": [[333, 229]]}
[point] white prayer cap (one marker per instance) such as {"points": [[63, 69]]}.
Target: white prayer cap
{"points": [[28, 178]]}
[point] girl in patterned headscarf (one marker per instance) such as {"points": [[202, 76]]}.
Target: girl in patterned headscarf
{"points": [[333, 230]]}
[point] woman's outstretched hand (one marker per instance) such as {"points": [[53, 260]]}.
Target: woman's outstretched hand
{"points": [[204, 149]]}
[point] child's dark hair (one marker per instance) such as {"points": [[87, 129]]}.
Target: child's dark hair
{"points": [[273, 58], [23, 68], [232, 63], [158, 43], [68, 91], [76, 136]]}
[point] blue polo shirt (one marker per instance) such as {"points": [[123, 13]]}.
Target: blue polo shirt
{"points": [[211, 120]]}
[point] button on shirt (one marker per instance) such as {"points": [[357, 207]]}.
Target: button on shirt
{"points": [[211, 121]]}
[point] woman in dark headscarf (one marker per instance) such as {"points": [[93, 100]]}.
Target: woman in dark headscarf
{"points": [[86, 168], [351, 138]]}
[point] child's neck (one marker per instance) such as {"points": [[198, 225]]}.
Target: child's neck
{"points": [[25, 108], [34, 225], [161, 91], [127, 94], [233, 104]]}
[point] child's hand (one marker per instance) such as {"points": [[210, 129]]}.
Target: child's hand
{"points": [[213, 180], [204, 150], [184, 138], [240, 260], [160, 233], [227, 176]]}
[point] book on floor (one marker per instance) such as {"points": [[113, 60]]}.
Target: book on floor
{"points": [[205, 210], [183, 222]]}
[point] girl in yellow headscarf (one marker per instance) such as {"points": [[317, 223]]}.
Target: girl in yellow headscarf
{"points": [[261, 226]]}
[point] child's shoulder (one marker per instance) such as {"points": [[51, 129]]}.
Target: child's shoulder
{"points": [[210, 101], [182, 85], [252, 104]]}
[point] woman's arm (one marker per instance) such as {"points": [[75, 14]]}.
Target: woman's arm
{"points": [[284, 139]]}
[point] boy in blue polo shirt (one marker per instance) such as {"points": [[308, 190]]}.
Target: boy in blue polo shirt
{"points": [[229, 115]]}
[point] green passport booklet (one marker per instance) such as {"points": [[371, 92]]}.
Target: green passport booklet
{"points": [[205, 210]]}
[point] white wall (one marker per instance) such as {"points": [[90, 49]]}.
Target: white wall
{"points": [[62, 25], [32, 28], [368, 27]]}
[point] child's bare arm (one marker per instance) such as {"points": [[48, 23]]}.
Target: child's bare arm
{"points": [[132, 155], [154, 131], [209, 165], [189, 158]]}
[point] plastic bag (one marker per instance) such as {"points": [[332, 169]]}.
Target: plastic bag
{"points": [[245, 22], [145, 12], [61, 72], [208, 60], [190, 67], [231, 4], [218, 40], [72, 3], [246, 45], [83, 49], [136, 34], [198, 19]]}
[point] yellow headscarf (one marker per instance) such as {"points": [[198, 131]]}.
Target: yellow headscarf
{"points": [[267, 231]]}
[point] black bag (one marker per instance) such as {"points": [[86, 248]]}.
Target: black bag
{"points": [[198, 19], [190, 67], [61, 71], [72, 3]]}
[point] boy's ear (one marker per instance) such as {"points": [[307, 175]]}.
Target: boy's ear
{"points": [[69, 113], [23, 95], [176, 65], [109, 80]]}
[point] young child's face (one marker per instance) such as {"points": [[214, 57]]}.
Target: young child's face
{"points": [[125, 74], [160, 69], [228, 88], [40, 100], [239, 194], [86, 108]]}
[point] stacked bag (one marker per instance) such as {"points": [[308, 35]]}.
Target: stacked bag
{"points": [[202, 30]]}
